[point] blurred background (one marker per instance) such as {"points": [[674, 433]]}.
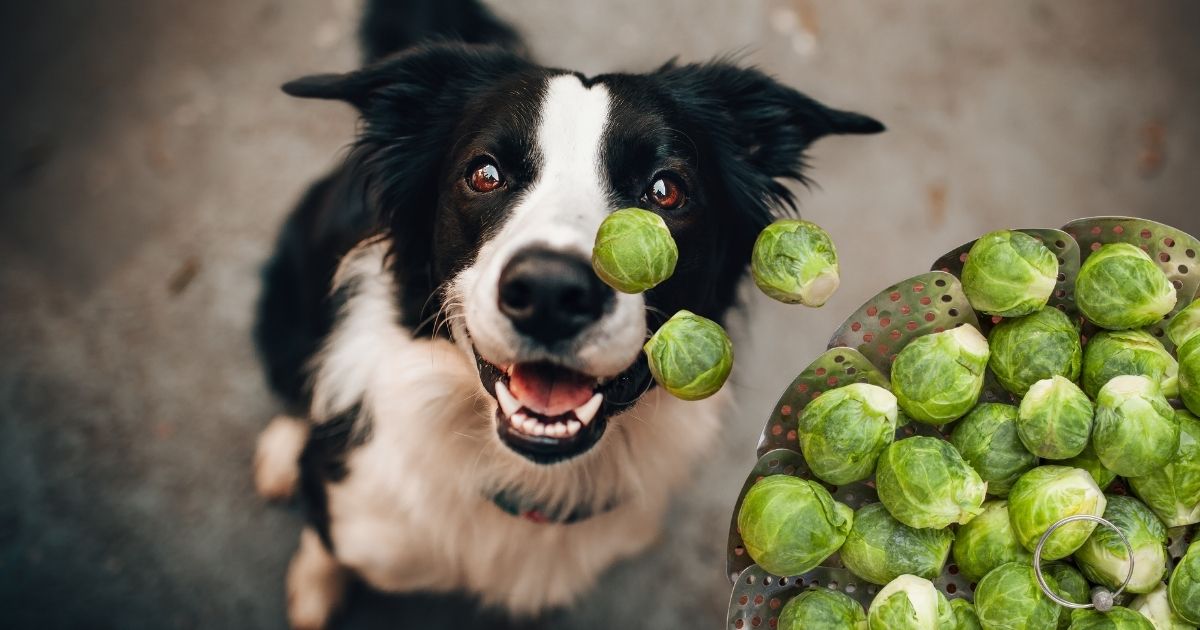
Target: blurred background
{"points": [[147, 159]]}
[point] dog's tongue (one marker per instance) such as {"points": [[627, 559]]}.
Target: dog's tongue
{"points": [[549, 390]]}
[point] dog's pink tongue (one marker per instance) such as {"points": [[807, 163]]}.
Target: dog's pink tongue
{"points": [[549, 390]]}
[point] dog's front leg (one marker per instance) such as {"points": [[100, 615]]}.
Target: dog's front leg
{"points": [[316, 584]]}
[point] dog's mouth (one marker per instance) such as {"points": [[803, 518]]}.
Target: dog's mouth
{"points": [[549, 413]]}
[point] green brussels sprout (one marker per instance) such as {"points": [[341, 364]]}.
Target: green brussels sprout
{"points": [[937, 378], [1124, 352], [1035, 347], [1183, 590], [987, 542], [1189, 374], [924, 482], [795, 262], [987, 439], [1009, 598], [907, 603], [1009, 274], [879, 548], [1089, 461], [1119, 618], [1173, 491], [790, 525], [1069, 585], [1120, 287], [690, 356], [965, 617], [1157, 608], [1055, 419], [822, 608], [1104, 559], [946, 615], [1135, 431], [843, 430], [1048, 494], [1185, 324], [634, 250]]}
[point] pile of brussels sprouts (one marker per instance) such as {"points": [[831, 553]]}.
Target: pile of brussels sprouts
{"points": [[691, 356], [1081, 415]]}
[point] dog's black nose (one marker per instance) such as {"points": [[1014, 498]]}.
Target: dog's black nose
{"points": [[551, 296]]}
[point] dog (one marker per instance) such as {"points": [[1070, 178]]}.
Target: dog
{"points": [[469, 406]]}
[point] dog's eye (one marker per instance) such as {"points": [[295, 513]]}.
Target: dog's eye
{"points": [[666, 192], [484, 176]]}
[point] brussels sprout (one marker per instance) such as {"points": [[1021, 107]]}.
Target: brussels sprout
{"points": [[987, 439], [1183, 590], [946, 615], [1119, 287], [965, 617], [1118, 618], [906, 603], [1088, 461], [1104, 559], [634, 250], [1173, 491], [822, 608], [1189, 374], [987, 542], [937, 378], [795, 262], [690, 356], [1009, 598], [1069, 585], [790, 525], [1055, 419], [1185, 324], [924, 482], [1135, 431], [1157, 608], [1126, 352], [1048, 494], [1009, 273], [843, 430], [879, 548], [1035, 347]]}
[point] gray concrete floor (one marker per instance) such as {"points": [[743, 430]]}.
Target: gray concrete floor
{"points": [[147, 157]]}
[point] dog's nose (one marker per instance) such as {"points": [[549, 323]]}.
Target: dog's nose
{"points": [[551, 296]]}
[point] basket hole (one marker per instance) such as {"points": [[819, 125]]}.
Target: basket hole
{"points": [[766, 582], [758, 600], [930, 317], [1144, 234], [1168, 241], [1059, 244], [1164, 256], [851, 370], [918, 287], [1060, 294], [833, 586], [894, 296], [856, 327], [953, 569], [1062, 277], [1183, 269], [789, 469], [739, 624], [946, 298], [1178, 284], [1061, 261], [851, 587], [1158, 332], [838, 359], [939, 282], [739, 551], [775, 603], [1191, 253], [756, 621], [743, 600], [783, 581], [1096, 230], [1095, 246], [925, 300], [954, 312], [951, 588]]}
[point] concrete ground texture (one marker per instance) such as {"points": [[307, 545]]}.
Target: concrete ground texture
{"points": [[147, 158]]}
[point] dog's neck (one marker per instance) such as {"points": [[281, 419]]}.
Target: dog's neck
{"points": [[514, 503]]}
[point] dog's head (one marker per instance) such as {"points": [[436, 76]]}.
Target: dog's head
{"points": [[492, 175]]}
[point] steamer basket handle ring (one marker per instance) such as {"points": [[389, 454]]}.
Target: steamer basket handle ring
{"points": [[1102, 599]]}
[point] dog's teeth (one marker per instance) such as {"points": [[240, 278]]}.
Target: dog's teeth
{"points": [[508, 402], [518, 419], [573, 427], [560, 429], [539, 429], [529, 426], [587, 410]]}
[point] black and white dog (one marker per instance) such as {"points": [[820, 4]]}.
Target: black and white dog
{"points": [[478, 413]]}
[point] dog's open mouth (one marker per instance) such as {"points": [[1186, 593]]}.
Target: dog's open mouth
{"points": [[549, 413]]}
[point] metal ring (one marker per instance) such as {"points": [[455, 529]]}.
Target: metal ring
{"points": [[1037, 563]]}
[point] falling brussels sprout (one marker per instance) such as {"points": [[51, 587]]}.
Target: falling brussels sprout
{"points": [[907, 603], [924, 482], [843, 430], [1173, 491], [1055, 419], [790, 525], [1185, 324], [1183, 589], [1120, 287], [1135, 430], [795, 262], [690, 356], [1009, 598], [1069, 585], [1119, 618], [937, 378], [1048, 494], [879, 548], [988, 541], [987, 439], [1189, 374], [1157, 608], [965, 617], [1009, 274], [1104, 559], [1128, 352], [822, 608], [634, 251], [1035, 347]]}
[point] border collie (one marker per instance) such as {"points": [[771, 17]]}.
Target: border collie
{"points": [[477, 412]]}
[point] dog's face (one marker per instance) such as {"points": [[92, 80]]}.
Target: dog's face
{"points": [[492, 176]]}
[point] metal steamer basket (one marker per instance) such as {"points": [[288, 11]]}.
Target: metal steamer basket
{"points": [[862, 350]]}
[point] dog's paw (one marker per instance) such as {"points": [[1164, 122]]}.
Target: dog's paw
{"points": [[277, 458], [316, 584]]}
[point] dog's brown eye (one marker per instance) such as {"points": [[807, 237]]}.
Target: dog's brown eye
{"points": [[484, 176], [667, 193]]}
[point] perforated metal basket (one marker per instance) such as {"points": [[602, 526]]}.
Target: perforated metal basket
{"points": [[862, 350]]}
